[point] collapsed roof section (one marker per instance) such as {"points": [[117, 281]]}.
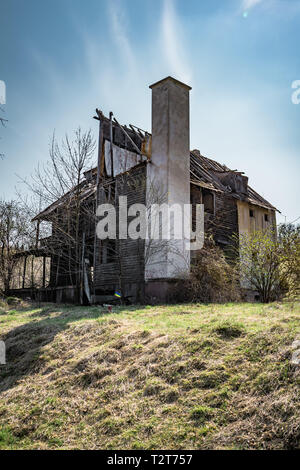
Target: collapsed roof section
{"points": [[212, 175], [131, 147]]}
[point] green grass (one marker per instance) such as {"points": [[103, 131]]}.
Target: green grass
{"points": [[170, 377], [7, 439]]}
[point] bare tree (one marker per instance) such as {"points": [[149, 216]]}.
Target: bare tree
{"points": [[2, 122], [60, 184], [64, 171], [15, 234]]}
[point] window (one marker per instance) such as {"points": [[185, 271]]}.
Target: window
{"points": [[195, 195], [266, 216], [209, 202], [109, 192], [251, 212]]}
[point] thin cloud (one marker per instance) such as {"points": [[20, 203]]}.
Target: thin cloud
{"points": [[248, 4], [112, 70], [118, 22], [172, 40], [284, 9]]}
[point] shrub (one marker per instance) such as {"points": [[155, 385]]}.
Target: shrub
{"points": [[212, 278], [289, 243], [13, 301], [270, 264]]}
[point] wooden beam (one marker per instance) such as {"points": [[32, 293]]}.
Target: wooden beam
{"points": [[129, 138], [100, 152], [111, 144], [99, 173], [135, 133], [24, 272], [57, 270], [37, 233], [44, 271]]}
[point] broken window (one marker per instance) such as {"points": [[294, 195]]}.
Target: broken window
{"points": [[251, 212], [109, 192], [195, 194], [209, 202], [195, 198], [266, 216]]}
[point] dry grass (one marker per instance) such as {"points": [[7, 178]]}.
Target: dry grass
{"points": [[164, 377]]}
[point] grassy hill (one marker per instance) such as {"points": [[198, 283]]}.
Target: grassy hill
{"points": [[164, 377]]}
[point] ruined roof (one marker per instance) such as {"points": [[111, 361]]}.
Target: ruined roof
{"points": [[207, 173], [204, 172]]}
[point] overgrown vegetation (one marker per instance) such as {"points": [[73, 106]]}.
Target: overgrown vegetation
{"points": [[289, 242], [212, 278], [270, 264], [189, 376], [260, 261], [16, 233]]}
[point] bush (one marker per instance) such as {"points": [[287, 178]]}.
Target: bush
{"points": [[13, 301], [212, 278], [270, 264], [289, 243]]}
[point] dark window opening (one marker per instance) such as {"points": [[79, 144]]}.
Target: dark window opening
{"points": [[251, 212], [110, 192], [195, 195], [266, 217], [195, 198], [89, 263], [209, 202]]}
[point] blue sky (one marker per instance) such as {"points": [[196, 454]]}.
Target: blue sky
{"points": [[60, 59]]}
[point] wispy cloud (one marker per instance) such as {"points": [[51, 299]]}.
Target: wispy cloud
{"points": [[284, 9], [115, 56], [248, 4], [172, 40], [119, 22]]}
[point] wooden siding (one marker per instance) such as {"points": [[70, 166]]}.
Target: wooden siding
{"points": [[249, 224], [126, 272]]}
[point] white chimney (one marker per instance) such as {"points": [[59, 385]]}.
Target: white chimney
{"points": [[169, 169]]}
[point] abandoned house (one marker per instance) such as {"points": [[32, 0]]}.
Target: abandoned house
{"points": [[129, 160]]}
